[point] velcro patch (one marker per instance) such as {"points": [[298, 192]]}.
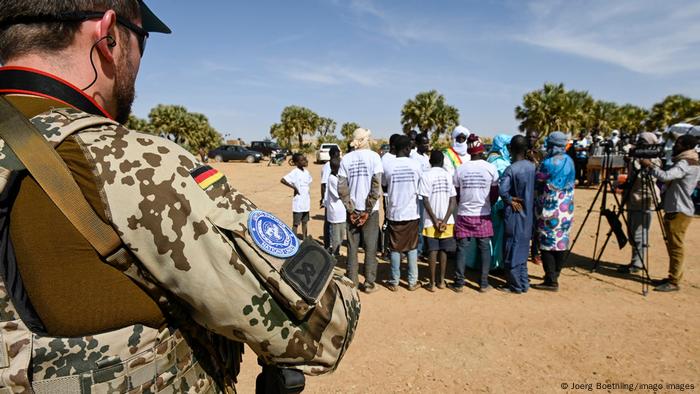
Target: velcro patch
{"points": [[309, 271], [206, 176]]}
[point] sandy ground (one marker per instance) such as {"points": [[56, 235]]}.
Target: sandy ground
{"points": [[597, 330]]}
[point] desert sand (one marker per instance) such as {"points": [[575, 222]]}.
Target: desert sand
{"points": [[597, 330]]}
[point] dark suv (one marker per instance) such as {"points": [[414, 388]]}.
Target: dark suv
{"points": [[267, 147], [234, 152]]}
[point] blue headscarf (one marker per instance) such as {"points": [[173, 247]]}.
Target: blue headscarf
{"points": [[500, 145], [558, 169], [502, 159]]}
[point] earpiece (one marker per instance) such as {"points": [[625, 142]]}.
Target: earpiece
{"points": [[110, 41]]}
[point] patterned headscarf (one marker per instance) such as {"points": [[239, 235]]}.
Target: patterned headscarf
{"points": [[558, 168], [556, 143]]}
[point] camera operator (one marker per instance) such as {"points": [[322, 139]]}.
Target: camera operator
{"points": [[639, 203], [678, 203]]}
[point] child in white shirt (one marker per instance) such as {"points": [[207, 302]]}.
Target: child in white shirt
{"points": [[335, 210], [299, 179]]}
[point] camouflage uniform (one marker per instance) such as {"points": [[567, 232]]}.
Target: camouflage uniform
{"points": [[190, 249]]}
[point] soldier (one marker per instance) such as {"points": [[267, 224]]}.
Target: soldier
{"points": [[174, 268]]}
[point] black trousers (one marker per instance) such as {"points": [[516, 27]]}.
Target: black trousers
{"points": [[552, 261]]}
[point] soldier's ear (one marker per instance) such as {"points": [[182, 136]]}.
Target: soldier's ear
{"points": [[105, 31]]}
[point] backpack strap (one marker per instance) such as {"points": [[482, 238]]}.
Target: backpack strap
{"points": [[54, 177]]}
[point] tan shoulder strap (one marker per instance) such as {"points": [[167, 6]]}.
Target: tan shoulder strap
{"points": [[52, 174]]}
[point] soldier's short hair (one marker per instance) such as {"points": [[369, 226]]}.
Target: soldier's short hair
{"points": [[24, 38]]}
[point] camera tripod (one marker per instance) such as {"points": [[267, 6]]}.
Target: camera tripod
{"points": [[613, 217]]}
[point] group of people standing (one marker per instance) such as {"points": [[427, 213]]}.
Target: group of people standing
{"points": [[494, 209], [485, 206]]}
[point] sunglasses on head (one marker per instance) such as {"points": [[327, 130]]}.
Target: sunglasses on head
{"points": [[141, 34], [79, 16]]}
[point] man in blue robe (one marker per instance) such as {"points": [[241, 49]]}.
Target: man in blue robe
{"points": [[517, 191]]}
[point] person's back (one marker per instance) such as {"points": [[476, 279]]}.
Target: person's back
{"points": [[476, 183], [473, 180], [358, 167], [522, 175], [517, 191], [359, 186], [401, 177]]}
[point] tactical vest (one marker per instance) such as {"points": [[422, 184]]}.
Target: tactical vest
{"points": [[131, 359]]}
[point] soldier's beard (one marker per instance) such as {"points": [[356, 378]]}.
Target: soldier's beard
{"points": [[124, 89]]}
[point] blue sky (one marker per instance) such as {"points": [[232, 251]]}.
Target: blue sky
{"points": [[240, 63]]}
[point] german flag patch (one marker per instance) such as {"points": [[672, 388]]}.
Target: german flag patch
{"points": [[206, 176]]}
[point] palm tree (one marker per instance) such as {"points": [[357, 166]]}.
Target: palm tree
{"points": [[429, 113], [347, 129], [544, 111], [631, 119], [299, 121], [673, 109]]}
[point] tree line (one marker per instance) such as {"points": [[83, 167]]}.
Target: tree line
{"points": [[191, 130], [541, 112], [555, 108]]}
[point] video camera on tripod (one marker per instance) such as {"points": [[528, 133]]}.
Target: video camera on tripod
{"points": [[647, 151]]}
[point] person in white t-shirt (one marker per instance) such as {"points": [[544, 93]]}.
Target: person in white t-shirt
{"points": [[438, 192], [422, 151], [299, 179], [400, 179], [359, 187], [477, 184], [325, 172], [420, 155], [335, 210], [386, 157]]}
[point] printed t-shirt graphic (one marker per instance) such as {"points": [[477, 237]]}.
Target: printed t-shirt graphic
{"points": [[401, 178], [359, 167]]}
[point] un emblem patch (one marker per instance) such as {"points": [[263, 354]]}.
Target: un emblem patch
{"points": [[272, 235]]}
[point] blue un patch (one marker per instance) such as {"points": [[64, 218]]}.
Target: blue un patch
{"points": [[272, 235]]}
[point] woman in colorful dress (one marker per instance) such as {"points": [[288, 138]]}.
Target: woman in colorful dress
{"points": [[556, 177], [499, 156]]}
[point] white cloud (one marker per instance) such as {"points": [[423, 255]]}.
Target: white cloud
{"points": [[646, 36], [332, 74], [400, 27]]}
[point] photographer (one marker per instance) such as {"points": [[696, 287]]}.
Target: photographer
{"points": [[678, 203], [639, 205]]}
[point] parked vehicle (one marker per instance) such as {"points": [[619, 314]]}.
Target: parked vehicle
{"points": [[268, 148], [323, 154], [225, 153]]}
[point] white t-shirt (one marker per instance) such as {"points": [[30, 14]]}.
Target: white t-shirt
{"points": [[325, 172], [359, 167], [474, 179], [301, 179], [437, 186], [401, 177], [387, 157], [335, 210], [423, 160]]}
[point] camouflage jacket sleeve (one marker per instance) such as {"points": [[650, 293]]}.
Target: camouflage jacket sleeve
{"points": [[192, 238]]}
